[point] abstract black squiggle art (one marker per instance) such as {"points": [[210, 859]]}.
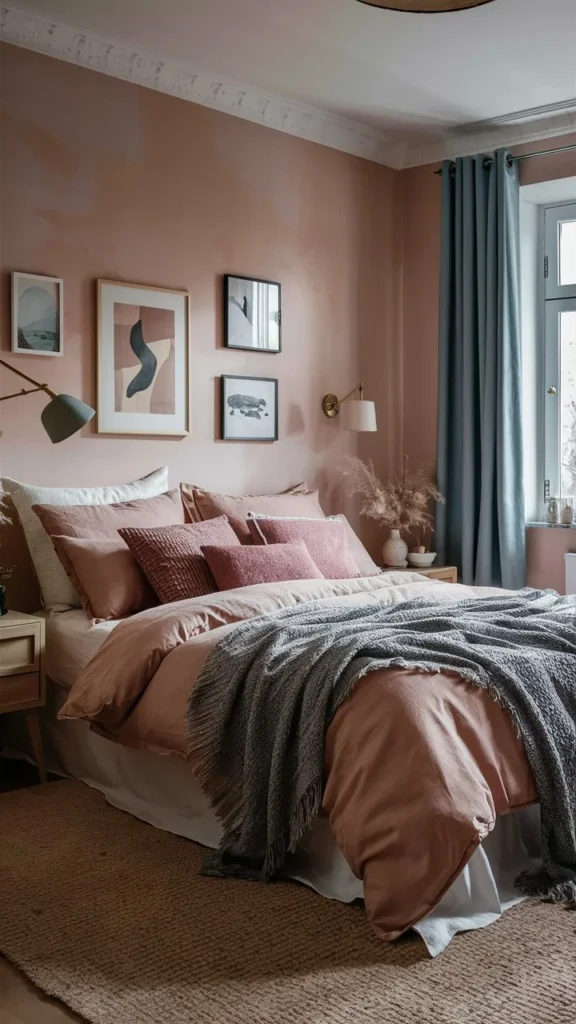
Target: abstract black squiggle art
{"points": [[145, 375]]}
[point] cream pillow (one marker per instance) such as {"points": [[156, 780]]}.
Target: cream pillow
{"points": [[58, 594]]}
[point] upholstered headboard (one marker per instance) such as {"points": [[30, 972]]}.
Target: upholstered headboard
{"points": [[16, 569]]}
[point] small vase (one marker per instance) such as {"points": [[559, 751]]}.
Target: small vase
{"points": [[394, 551]]}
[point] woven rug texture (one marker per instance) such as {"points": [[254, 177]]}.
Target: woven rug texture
{"points": [[113, 917]]}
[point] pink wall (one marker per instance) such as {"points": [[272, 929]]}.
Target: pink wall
{"points": [[101, 178], [421, 200]]}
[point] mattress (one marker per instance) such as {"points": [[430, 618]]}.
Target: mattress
{"points": [[163, 792], [71, 640]]}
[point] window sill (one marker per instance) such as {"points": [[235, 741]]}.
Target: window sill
{"points": [[550, 526]]}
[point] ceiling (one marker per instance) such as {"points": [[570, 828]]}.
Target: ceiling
{"points": [[413, 80]]}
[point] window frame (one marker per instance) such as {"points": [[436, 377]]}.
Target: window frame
{"points": [[554, 299]]}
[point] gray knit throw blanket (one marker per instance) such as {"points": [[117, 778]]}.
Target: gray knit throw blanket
{"points": [[259, 712]]}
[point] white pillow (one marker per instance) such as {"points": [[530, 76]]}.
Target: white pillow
{"points": [[58, 594]]}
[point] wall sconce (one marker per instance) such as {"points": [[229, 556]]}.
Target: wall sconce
{"points": [[63, 415], [357, 414]]}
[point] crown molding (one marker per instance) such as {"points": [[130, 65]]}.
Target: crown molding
{"points": [[22, 26], [514, 129]]}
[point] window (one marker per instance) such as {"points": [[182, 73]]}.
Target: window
{"points": [[559, 322]]}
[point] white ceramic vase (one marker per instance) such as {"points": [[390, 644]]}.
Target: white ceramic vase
{"points": [[394, 551]]}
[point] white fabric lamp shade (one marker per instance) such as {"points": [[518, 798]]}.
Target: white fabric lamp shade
{"points": [[359, 415]]}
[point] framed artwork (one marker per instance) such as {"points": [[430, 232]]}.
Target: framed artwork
{"points": [[249, 408], [37, 314], [142, 360], [252, 314]]}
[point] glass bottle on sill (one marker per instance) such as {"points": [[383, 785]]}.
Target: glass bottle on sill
{"points": [[567, 513], [552, 511]]}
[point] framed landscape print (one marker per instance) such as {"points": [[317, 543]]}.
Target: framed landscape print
{"points": [[142, 359], [252, 314], [249, 408], [37, 314]]}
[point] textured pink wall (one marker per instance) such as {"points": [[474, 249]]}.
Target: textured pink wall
{"points": [[101, 178], [421, 201]]}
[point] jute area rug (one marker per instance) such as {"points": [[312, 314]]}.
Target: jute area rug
{"points": [[113, 917]]}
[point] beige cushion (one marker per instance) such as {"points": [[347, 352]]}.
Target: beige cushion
{"points": [[58, 593], [202, 505]]}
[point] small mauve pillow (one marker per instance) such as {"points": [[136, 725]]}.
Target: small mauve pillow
{"points": [[244, 566], [105, 574], [326, 541], [171, 556]]}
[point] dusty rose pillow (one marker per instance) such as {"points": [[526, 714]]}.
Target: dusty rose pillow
{"points": [[361, 556], [202, 505], [105, 520], [171, 556], [326, 541], [246, 565], [105, 574]]}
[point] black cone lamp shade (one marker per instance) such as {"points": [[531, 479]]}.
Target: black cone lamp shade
{"points": [[426, 6], [63, 416]]}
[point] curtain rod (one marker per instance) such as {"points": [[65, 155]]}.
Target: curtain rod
{"points": [[527, 156]]}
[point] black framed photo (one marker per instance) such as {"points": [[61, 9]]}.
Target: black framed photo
{"points": [[252, 314], [249, 408]]}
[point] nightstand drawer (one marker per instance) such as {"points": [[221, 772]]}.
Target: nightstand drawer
{"points": [[19, 689], [19, 650]]}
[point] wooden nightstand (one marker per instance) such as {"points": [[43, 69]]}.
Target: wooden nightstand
{"points": [[22, 679], [446, 573]]}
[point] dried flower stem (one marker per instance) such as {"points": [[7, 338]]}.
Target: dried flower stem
{"points": [[401, 504]]}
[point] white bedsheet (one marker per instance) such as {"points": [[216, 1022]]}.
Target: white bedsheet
{"points": [[163, 792]]}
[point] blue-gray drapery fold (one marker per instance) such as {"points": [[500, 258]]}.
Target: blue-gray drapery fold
{"points": [[479, 459]]}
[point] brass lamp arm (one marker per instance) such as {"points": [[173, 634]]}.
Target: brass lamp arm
{"points": [[359, 387], [331, 403], [37, 385]]}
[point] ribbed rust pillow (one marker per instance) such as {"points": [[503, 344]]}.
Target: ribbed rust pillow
{"points": [[171, 556], [246, 565]]}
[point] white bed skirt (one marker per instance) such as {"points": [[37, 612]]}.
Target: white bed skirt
{"points": [[163, 792]]}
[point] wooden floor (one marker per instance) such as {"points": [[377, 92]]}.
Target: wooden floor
{"points": [[20, 1001], [23, 1003]]}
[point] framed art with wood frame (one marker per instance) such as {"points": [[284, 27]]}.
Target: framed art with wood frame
{"points": [[252, 314], [143, 360], [249, 408], [37, 314]]}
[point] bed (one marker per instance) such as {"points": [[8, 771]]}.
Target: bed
{"points": [[161, 790], [122, 731]]}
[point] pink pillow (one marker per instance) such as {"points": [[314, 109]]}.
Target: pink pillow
{"points": [[109, 581], [202, 505], [172, 559], [325, 539], [361, 556], [245, 565], [106, 520]]}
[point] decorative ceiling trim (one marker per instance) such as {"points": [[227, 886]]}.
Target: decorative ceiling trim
{"points": [[514, 129], [22, 26]]}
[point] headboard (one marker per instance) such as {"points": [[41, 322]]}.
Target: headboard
{"points": [[16, 568]]}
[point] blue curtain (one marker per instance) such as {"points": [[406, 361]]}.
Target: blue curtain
{"points": [[479, 461]]}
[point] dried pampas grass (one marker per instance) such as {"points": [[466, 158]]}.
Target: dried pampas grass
{"points": [[401, 504]]}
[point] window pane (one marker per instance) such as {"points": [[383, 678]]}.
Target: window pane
{"points": [[567, 260], [568, 402]]}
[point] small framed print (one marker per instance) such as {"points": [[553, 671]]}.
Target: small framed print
{"points": [[37, 314], [252, 314], [249, 408]]}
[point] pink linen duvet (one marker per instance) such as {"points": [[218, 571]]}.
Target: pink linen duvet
{"points": [[417, 766]]}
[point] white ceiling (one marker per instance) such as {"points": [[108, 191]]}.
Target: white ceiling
{"points": [[413, 78]]}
